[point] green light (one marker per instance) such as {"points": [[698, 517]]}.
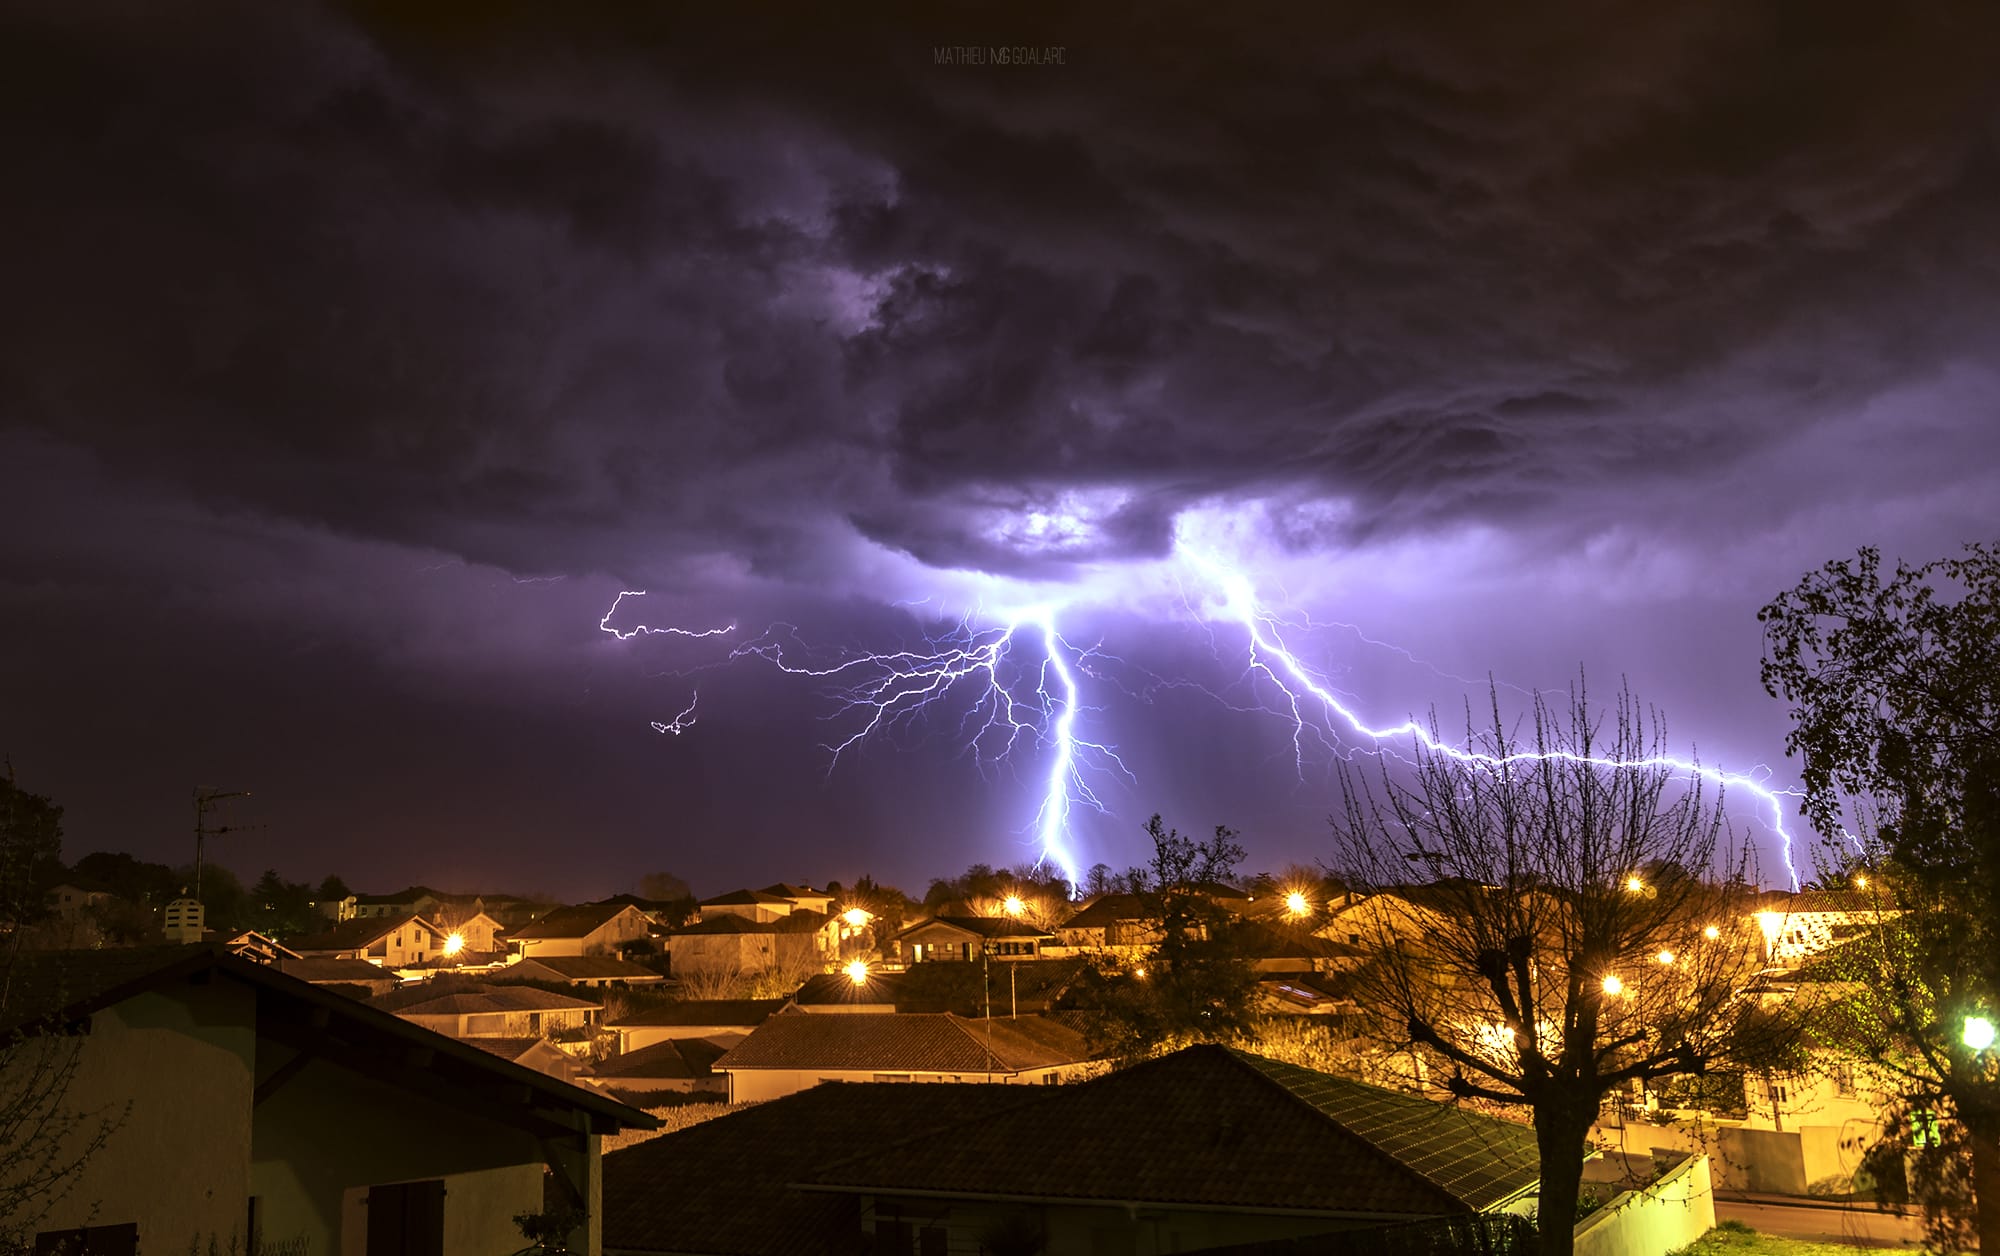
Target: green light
{"points": [[1978, 1033]]}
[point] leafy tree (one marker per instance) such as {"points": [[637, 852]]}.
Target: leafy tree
{"points": [[30, 851], [331, 889], [1560, 951], [279, 908], [135, 880], [1893, 684], [1193, 984]]}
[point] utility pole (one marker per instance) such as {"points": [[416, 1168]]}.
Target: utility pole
{"points": [[205, 800]]}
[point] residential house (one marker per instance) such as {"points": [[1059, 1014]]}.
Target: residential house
{"points": [[70, 899], [260, 1113], [1116, 923], [418, 900], [391, 941], [758, 905], [738, 943], [679, 1065], [357, 975], [794, 1050], [253, 945], [1799, 926], [583, 970], [336, 910], [802, 897], [971, 937], [499, 1012], [586, 929], [538, 1054], [727, 1021], [1206, 1148], [478, 933], [1278, 948]]}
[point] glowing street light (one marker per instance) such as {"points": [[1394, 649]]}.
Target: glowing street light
{"points": [[1635, 885], [855, 917], [1613, 986], [1013, 906], [1665, 957], [1860, 880], [1297, 904], [1711, 933], [857, 972], [1978, 1033], [453, 944]]}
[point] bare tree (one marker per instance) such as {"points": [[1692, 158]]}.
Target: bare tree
{"points": [[1554, 918]]}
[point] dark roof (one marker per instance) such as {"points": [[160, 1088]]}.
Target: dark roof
{"points": [[675, 1058], [1257, 940], [907, 1042], [1860, 902], [570, 922], [799, 920], [320, 971], [505, 1048], [64, 986], [723, 1187], [591, 968], [495, 999], [1106, 909], [988, 927], [354, 935], [745, 898], [782, 890], [1032, 985], [745, 1012], [1208, 1126], [410, 895]]}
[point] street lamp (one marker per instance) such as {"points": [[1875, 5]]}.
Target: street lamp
{"points": [[1612, 985], [1296, 904], [1978, 1033], [857, 972], [1013, 905]]}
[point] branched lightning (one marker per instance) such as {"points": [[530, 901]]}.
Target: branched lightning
{"points": [[680, 723], [1008, 684]]}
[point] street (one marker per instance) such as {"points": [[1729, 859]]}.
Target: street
{"points": [[1857, 1224]]}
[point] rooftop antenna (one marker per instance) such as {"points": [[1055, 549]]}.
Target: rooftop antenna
{"points": [[205, 800]]}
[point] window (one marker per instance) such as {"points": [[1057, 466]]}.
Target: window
{"points": [[1843, 1080], [406, 1219], [95, 1240]]}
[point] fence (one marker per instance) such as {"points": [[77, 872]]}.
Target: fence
{"points": [[1673, 1212]]}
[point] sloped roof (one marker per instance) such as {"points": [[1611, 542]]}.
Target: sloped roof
{"points": [[1813, 902], [1257, 940], [674, 1058], [783, 890], [410, 895], [800, 920], [746, 898], [907, 1042], [723, 1187], [591, 968], [968, 989], [719, 1012], [355, 935], [505, 1048], [1106, 909], [1208, 1126], [579, 921], [61, 986], [989, 927], [323, 971]]}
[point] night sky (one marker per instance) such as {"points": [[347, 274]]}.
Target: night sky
{"points": [[351, 365]]}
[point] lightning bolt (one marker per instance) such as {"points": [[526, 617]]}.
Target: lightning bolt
{"points": [[1008, 684], [680, 723]]}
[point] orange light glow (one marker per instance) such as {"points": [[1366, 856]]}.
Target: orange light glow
{"points": [[857, 972], [1297, 904], [454, 944], [1013, 906], [855, 917]]}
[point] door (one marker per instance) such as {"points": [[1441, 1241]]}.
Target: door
{"points": [[406, 1219]]}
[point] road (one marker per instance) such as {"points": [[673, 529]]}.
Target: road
{"points": [[1857, 1224]]}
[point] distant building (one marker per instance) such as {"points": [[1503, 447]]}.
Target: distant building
{"points": [[418, 900], [587, 929], [391, 941], [356, 975], [727, 1021], [971, 937], [184, 921], [70, 899], [500, 1012], [729, 942], [584, 970], [678, 1065], [756, 905]]}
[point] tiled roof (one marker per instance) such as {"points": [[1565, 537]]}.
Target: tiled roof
{"points": [[718, 1012], [723, 1186], [355, 935], [782, 890], [1257, 940], [745, 898], [984, 926], [1212, 1127], [570, 922], [1106, 909], [322, 971], [505, 1048], [591, 968], [674, 1058], [1807, 902], [907, 1042], [798, 921]]}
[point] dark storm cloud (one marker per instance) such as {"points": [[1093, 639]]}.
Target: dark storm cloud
{"points": [[563, 291]]}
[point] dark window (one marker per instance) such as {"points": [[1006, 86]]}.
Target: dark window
{"points": [[96, 1240], [932, 1241], [406, 1219]]}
